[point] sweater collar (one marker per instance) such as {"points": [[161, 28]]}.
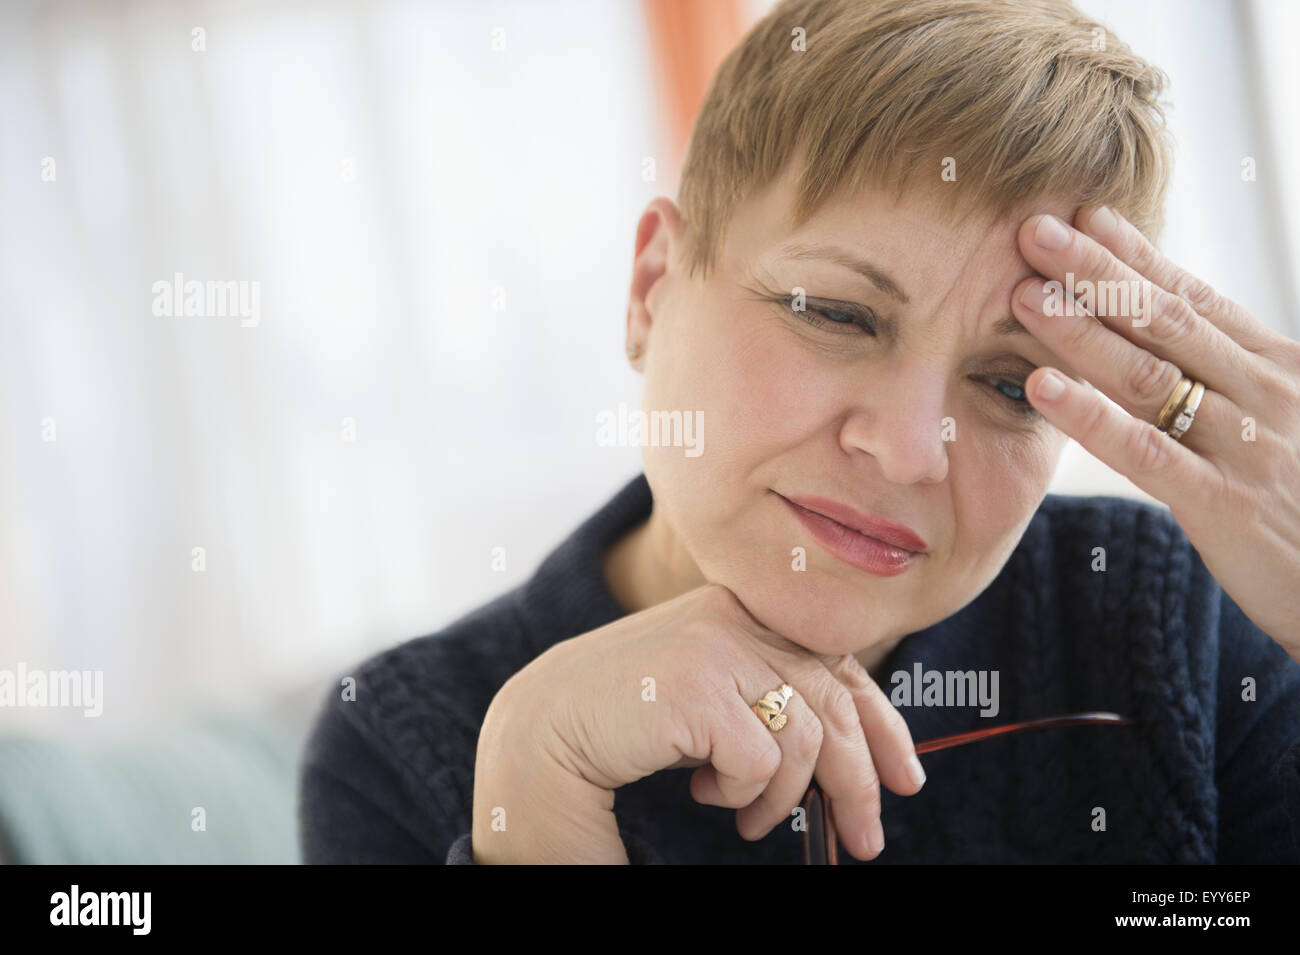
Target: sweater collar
{"points": [[569, 595]]}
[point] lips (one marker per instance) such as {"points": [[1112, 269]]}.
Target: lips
{"points": [[899, 536], [873, 554]]}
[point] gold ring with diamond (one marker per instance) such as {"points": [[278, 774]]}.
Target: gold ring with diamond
{"points": [[1187, 414], [1180, 410], [771, 708]]}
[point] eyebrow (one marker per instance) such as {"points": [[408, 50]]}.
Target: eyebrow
{"points": [[1007, 325]]}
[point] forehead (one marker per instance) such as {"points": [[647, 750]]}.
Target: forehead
{"points": [[914, 237], [953, 273]]}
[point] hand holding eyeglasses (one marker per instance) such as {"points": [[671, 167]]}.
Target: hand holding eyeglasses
{"points": [[672, 687]]}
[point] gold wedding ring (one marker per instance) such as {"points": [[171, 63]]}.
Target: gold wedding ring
{"points": [[771, 708], [1175, 399], [1179, 410]]}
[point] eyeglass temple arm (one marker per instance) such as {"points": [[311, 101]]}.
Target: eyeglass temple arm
{"points": [[824, 828], [1074, 719]]}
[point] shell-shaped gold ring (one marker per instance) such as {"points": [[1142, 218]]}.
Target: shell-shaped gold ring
{"points": [[771, 708]]}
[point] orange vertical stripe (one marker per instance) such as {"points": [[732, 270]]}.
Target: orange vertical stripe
{"points": [[689, 39]]}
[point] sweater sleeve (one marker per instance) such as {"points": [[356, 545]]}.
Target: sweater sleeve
{"points": [[461, 852], [359, 803], [377, 787], [1258, 758], [387, 774]]}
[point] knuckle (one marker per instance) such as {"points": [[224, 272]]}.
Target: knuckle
{"points": [[853, 673], [841, 711], [1096, 260], [1283, 389], [1092, 421], [754, 756], [871, 794], [895, 723], [1290, 354], [1151, 379], [1286, 399], [809, 740], [1175, 320], [1149, 449], [1195, 291], [765, 762], [1080, 332], [1290, 398], [1138, 251], [693, 716]]}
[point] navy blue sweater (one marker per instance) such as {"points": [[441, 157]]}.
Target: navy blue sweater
{"points": [[1203, 776]]}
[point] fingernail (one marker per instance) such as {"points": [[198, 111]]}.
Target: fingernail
{"points": [[876, 838], [1050, 386], [1051, 233], [1032, 296], [915, 771], [1102, 222]]}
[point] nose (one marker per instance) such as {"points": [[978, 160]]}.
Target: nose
{"points": [[900, 421]]}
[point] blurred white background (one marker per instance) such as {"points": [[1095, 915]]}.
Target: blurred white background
{"points": [[443, 234]]}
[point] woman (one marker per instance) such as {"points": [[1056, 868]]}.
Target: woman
{"points": [[868, 294]]}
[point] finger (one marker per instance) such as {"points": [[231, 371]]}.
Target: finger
{"points": [[843, 764], [741, 765], [1139, 309], [707, 789], [1149, 458], [845, 767], [888, 736], [1137, 380], [841, 695], [800, 741], [1127, 243]]}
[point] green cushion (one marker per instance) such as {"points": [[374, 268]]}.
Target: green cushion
{"points": [[135, 803]]}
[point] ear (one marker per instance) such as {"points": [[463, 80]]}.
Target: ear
{"points": [[658, 244]]}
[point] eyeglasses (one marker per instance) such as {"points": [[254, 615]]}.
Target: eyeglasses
{"points": [[820, 843]]}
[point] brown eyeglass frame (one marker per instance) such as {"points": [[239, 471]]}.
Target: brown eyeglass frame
{"points": [[820, 842]]}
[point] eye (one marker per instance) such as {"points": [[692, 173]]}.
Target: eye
{"points": [[1012, 390], [1014, 393], [839, 318]]}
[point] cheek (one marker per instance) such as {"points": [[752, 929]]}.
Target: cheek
{"points": [[1023, 460], [770, 392], [1000, 479], [703, 363], [756, 390]]}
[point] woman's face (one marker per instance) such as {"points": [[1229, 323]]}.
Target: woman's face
{"points": [[921, 424]]}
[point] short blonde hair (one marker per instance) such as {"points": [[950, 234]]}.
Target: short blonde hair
{"points": [[1029, 98]]}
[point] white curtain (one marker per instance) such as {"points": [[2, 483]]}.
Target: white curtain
{"points": [[437, 204]]}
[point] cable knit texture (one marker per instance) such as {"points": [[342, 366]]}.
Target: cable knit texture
{"points": [[1206, 773]]}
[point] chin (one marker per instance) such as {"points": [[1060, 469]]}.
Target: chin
{"points": [[822, 613]]}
